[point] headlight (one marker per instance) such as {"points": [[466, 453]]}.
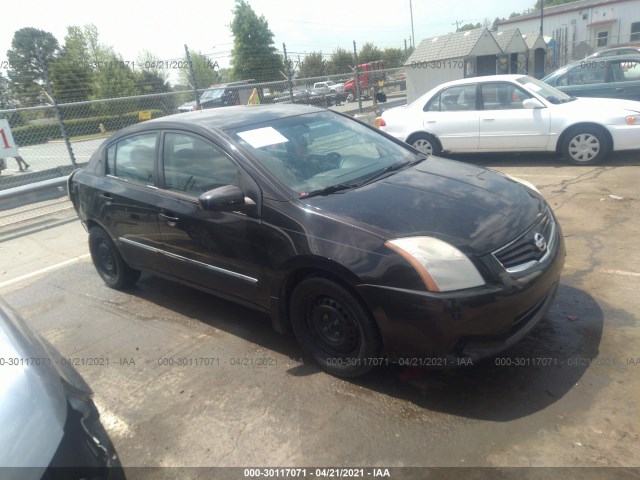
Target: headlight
{"points": [[632, 119], [443, 267]]}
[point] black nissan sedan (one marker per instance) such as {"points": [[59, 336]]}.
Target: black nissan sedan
{"points": [[366, 249]]}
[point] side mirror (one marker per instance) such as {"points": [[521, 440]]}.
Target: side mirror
{"points": [[532, 103], [228, 198]]}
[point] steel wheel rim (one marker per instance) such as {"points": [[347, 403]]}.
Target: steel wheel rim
{"points": [[424, 146], [107, 260], [584, 147], [332, 327]]}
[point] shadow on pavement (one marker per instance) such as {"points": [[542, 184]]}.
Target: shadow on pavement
{"points": [[527, 378]]}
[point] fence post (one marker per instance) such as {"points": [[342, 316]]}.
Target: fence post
{"points": [[355, 57], [193, 77], [288, 71], [52, 97]]}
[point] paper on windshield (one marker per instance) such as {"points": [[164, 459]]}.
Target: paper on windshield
{"points": [[262, 137]]}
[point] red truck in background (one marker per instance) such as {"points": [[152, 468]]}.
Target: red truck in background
{"points": [[369, 75]]}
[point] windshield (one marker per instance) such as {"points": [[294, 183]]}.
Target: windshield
{"points": [[309, 153], [549, 93], [212, 94]]}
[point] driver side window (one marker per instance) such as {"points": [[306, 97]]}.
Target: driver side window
{"points": [[194, 166]]}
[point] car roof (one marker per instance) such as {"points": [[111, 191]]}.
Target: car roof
{"points": [[226, 118], [482, 79]]}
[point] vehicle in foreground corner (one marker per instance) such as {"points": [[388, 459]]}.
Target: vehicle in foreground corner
{"points": [[367, 249], [49, 426], [515, 113]]}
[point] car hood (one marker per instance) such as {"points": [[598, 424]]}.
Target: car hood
{"points": [[474, 209], [33, 405]]}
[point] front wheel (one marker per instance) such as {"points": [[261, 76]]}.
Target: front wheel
{"points": [[585, 146], [333, 328], [108, 262]]}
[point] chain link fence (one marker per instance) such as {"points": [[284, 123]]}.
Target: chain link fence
{"points": [[55, 139]]}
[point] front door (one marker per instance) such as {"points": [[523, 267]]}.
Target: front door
{"points": [[216, 250], [505, 125]]}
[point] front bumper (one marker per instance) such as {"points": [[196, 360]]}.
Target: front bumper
{"points": [[455, 328]]}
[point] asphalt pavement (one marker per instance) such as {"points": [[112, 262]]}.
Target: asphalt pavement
{"points": [[184, 379]]}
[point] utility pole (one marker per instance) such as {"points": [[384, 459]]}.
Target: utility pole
{"points": [[456, 23], [413, 35]]}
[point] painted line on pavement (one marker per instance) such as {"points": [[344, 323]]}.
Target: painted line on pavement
{"points": [[42, 271]]}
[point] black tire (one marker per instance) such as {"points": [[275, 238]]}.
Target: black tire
{"points": [[108, 261], [333, 328], [425, 143], [585, 146]]}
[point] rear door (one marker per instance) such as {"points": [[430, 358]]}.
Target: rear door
{"points": [[125, 201], [452, 115], [220, 251]]}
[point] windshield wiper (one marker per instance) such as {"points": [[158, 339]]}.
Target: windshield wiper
{"points": [[330, 189], [393, 167]]}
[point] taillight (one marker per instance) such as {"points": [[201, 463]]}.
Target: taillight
{"points": [[380, 122]]}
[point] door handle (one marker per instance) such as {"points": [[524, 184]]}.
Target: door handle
{"points": [[620, 89], [171, 221], [488, 119], [107, 197]]}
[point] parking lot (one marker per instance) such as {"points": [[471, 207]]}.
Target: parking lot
{"points": [[183, 379]]}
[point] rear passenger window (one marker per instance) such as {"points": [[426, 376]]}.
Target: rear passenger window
{"points": [[194, 166], [454, 99], [133, 158]]}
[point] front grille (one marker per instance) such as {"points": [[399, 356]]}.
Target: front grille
{"points": [[530, 247]]}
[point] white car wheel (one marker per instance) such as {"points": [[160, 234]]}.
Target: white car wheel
{"points": [[586, 146]]}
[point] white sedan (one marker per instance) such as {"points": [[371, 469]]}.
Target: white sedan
{"points": [[515, 113]]}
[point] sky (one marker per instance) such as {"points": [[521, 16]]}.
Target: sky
{"points": [[163, 28]]}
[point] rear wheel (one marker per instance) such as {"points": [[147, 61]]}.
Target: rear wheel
{"points": [[426, 143], [334, 328], [586, 146], [108, 262]]}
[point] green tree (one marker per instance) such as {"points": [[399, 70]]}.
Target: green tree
{"points": [[150, 77], [203, 70], [393, 57], [254, 54], [71, 73], [113, 78], [469, 26], [313, 65], [341, 62], [29, 56], [369, 53]]}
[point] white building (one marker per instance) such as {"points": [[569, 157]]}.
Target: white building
{"points": [[449, 57], [582, 27]]}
